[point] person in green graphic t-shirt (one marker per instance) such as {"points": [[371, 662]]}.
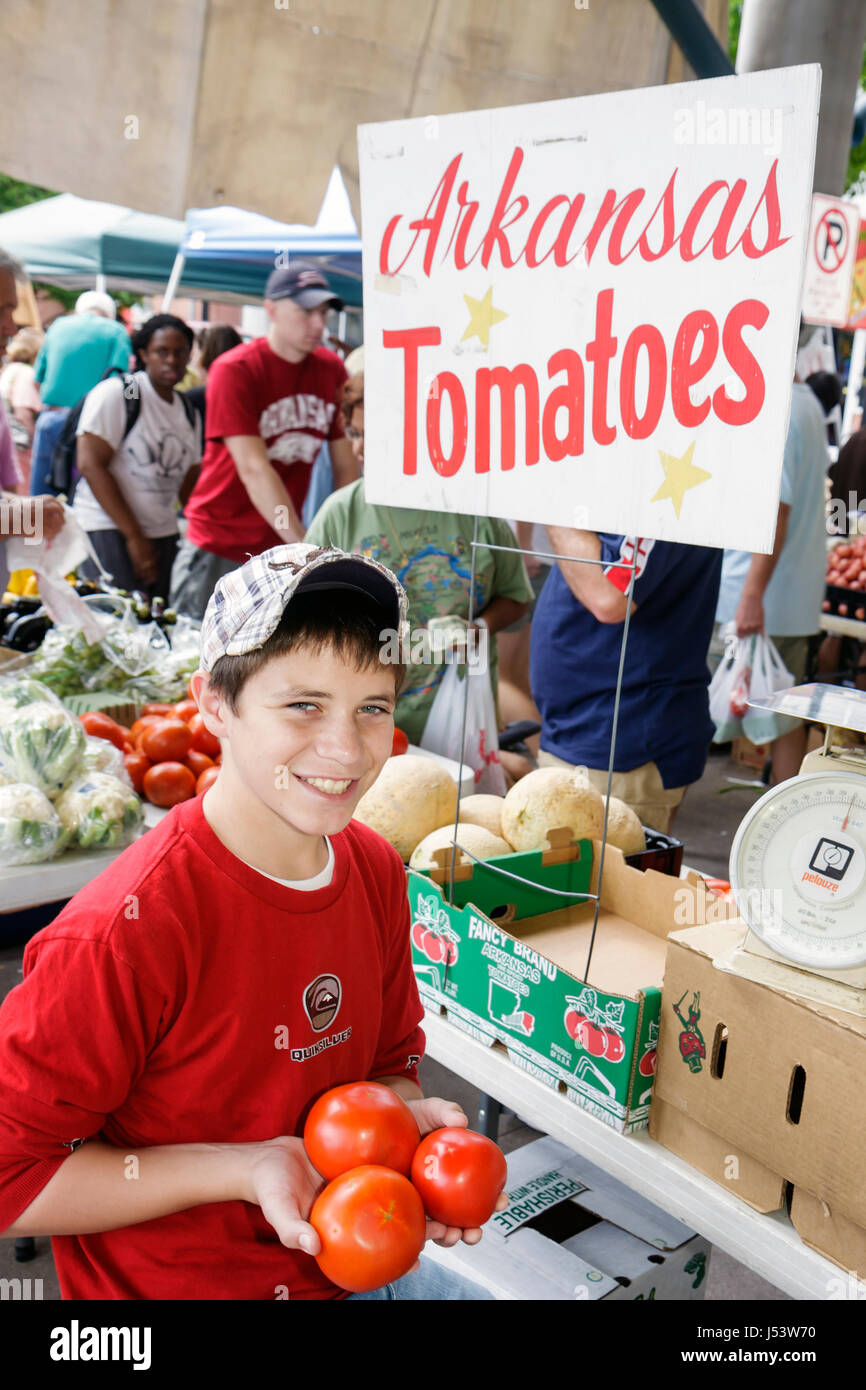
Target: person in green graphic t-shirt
{"points": [[431, 553]]}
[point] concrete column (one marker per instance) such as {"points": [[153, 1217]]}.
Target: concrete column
{"points": [[783, 33]]}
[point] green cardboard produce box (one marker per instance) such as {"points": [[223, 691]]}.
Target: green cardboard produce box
{"points": [[506, 962]]}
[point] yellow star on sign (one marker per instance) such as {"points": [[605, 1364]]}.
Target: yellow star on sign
{"points": [[482, 317], [680, 475]]}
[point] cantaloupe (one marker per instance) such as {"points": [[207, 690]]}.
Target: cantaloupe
{"points": [[548, 798], [624, 828], [474, 838], [410, 797], [483, 810]]}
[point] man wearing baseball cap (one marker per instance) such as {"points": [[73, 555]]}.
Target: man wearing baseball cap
{"points": [[246, 955], [271, 404]]}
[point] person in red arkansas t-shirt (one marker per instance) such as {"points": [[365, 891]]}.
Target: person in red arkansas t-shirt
{"points": [[180, 1016], [271, 404]]}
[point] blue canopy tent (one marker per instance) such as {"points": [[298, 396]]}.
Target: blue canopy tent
{"points": [[236, 250]]}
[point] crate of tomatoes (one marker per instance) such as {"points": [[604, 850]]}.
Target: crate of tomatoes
{"points": [[846, 580], [168, 752]]}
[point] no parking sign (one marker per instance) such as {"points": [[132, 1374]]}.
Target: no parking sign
{"points": [[830, 260]]}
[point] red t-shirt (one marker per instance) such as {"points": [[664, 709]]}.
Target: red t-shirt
{"points": [[183, 997], [293, 406]]}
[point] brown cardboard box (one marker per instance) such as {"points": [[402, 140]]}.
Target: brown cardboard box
{"points": [[758, 1089], [749, 754]]}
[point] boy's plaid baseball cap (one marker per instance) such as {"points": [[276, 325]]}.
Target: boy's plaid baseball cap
{"points": [[246, 606]]}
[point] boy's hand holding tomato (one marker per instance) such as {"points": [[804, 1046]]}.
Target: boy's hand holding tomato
{"points": [[284, 1183]]}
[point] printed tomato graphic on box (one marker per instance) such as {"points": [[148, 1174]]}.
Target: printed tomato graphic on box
{"points": [[432, 934], [647, 1064], [598, 1031]]}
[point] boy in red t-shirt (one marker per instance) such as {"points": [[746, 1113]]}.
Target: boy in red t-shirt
{"points": [[271, 405], [178, 1018]]}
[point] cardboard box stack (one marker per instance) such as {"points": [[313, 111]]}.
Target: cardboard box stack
{"points": [[759, 1090]]}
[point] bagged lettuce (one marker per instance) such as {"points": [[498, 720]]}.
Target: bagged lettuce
{"points": [[41, 743], [98, 812], [30, 828]]}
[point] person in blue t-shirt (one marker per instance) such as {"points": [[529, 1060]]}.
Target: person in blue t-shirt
{"points": [[78, 350], [664, 727]]}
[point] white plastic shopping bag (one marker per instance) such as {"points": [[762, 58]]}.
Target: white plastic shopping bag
{"points": [[769, 675], [730, 686], [469, 686], [51, 560]]}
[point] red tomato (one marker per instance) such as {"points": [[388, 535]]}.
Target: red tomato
{"points": [[137, 765], [202, 738], [168, 741], [207, 779], [459, 1174], [185, 709], [361, 1123], [166, 784], [399, 743], [614, 1048], [155, 707], [198, 762], [371, 1225], [103, 726], [146, 721]]}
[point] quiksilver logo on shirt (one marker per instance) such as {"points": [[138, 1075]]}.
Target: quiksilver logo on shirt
{"points": [[322, 1001], [303, 1054]]}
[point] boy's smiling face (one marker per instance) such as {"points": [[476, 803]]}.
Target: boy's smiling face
{"points": [[310, 735]]}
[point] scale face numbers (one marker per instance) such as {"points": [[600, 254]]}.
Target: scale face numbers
{"points": [[798, 870]]}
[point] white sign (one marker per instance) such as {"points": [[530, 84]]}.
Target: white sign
{"points": [[833, 234], [585, 312]]}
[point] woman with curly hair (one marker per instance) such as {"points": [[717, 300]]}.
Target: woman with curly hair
{"points": [[138, 446]]}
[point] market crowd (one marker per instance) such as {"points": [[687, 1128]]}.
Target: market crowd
{"points": [[180, 457]]}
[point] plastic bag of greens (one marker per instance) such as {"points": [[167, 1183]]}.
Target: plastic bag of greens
{"points": [[69, 664], [99, 812], [30, 828], [42, 742]]}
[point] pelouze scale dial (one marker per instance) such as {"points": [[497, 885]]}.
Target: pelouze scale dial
{"points": [[798, 863]]}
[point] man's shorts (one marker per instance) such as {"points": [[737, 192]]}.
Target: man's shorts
{"points": [[194, 577], [642, 789]]}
